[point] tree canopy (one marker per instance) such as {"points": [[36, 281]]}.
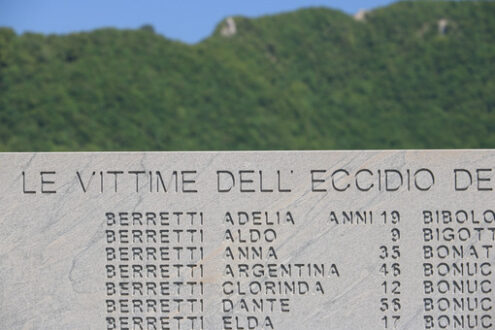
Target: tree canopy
{"points": [[411, 75]]}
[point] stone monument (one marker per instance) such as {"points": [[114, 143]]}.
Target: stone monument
{"points": [[248, 240]]}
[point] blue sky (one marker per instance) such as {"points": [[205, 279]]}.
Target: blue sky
{"points": [[186, 20]]}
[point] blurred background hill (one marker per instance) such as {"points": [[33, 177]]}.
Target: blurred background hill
{"points": [[409, 75]]}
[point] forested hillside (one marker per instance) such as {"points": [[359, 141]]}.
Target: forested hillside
{"points": [[410, 75]]}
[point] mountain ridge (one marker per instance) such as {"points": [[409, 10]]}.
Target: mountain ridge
{"points": [[310, 79]]}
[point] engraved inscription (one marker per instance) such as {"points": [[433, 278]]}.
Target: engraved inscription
{"points": [[248, 240]]}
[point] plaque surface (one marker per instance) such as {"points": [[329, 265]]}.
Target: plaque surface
{"points": [[248, 240]]}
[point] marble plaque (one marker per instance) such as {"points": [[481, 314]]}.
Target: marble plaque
{"points": [[248, 240]]}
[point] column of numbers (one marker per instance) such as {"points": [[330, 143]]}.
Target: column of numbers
{"points": [[389, 254]]}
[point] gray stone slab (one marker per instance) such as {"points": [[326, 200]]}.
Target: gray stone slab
{"points": [[248, 240]]}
